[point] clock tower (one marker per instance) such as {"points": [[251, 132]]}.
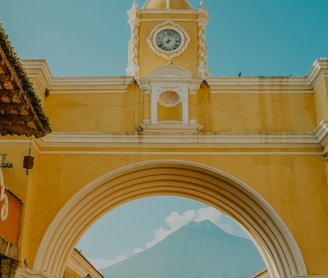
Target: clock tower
{"points": [[167, 31], [168, 58]]}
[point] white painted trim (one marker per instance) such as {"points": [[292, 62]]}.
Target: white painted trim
{"points": [[81, 266], [219, 84], [171, 141], [321, 133], [167, 153], [39, 70], [30, 273], [312, 276], [259, 85], [318, 72]]}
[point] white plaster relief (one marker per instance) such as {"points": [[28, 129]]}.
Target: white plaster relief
{"points": [[134, 67], [4, 198], [202, 50]]}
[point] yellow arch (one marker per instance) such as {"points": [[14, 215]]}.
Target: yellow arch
{"points": [[177, 178]]}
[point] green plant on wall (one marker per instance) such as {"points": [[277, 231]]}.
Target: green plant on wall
{"points": [[325, 155], [4, 163]]}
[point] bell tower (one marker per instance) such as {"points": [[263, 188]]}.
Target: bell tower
{"points": [[168, 58]]}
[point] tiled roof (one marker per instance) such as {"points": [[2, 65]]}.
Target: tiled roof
{"points": [[21, 111]]}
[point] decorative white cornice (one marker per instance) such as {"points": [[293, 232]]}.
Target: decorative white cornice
{"points": [[259, 84], [175, 140], [80, 85], [311, 276], [169, 75], [219, 84], [133, 15], [271, 84], [39, 69], [321, 133], [318, 72], [170, 12], [134, 21], [29, 273], [202, 22], [168, 127], [169, 72], [81, 266]]}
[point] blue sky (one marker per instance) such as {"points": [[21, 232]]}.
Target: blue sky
{"points": [[90, 38], [255, 37]]}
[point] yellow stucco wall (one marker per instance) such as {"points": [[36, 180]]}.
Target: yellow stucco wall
{"points": [[289, 183], [292, 179], [254, 112], [321, 100]]}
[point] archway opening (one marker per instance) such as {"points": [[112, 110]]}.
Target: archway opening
{"points": [[169, 236], [170, 178]]}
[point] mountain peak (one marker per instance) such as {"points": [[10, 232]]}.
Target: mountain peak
{"points": [[201, 229], [204, 224], [198, 249]]}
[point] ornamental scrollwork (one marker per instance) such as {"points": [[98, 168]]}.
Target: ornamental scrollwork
{"points": [[4, 198]]}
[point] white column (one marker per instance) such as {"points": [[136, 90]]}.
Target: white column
{"points": [[185, 110]]}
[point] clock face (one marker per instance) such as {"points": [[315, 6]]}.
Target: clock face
{"points": [[168, 40]]}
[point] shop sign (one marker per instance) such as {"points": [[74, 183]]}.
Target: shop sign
{"points": [[10, 213]]}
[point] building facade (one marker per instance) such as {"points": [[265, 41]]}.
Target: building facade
{"points": [[251, 147]]}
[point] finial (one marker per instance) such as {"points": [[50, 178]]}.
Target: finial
{"points": [[201, 4], [135, 4]]}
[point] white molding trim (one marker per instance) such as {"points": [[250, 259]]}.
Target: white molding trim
{"points": [[39, 70], [312, 276], [29, 273], [169, 78], [36, 68], [271, 84], [259, 85], [318, 72], [81, 266], [321, 133], [171, 140]]}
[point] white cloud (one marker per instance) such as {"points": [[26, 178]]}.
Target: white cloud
{"points": [[160, 234], [102, 263], [175, 221], [210, 214], [137, 250]]}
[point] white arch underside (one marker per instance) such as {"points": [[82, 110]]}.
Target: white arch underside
{"points": [[177, 178]]}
